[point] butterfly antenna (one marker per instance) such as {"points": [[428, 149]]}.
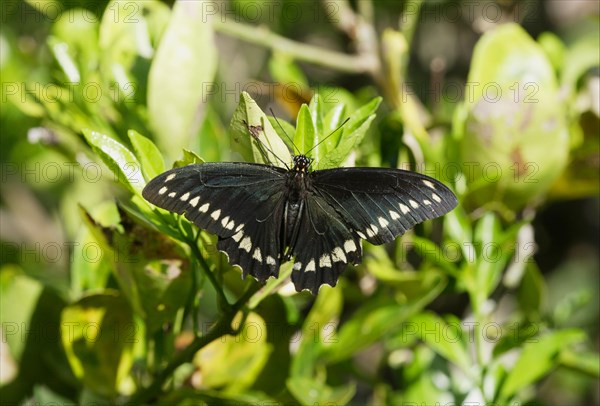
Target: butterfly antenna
{"points": [[255, 131], [284, 133], [329, 135]]}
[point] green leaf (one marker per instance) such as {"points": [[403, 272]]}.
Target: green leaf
{"points": [[367, 326], [127, 37], [587, 362], [305, 136], [285, 131], [118, 159], [350, 135], [148, 154], [441, 337], [310, 392], [177, 93], [98, 333], [316, 112], [284, 70], [232, 364], [318, 331], [532, 290], [516, 111], [489, 268], [264, 146], [186, 395], [516, 335], [19, 296], [152, 271], [538, 359], [189, 158]]}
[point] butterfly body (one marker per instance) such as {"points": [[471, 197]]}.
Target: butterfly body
{"points": [[265, 215]]}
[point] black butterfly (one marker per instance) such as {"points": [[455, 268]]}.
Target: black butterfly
{"points": [[265, 215]]}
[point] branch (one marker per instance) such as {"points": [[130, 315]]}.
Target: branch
{"points": [[261, 35], [219, 329]]}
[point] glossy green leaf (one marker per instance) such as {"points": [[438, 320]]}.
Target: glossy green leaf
{"points": [[148, 155], [177, 93], [123, 164]]}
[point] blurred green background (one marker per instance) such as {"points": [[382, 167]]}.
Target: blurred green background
{"points": [[106, 300]]}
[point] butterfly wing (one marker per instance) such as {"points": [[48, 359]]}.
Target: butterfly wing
{"points": [[241, 203], [326, 243], [381, 204]]}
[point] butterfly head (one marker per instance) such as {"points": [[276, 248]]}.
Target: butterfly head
{"points": [[301, 163]]}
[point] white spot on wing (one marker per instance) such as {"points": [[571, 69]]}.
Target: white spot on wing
{"points": [[185, 196], [404, 208], [172, 194], [170, 177], [383, 222], [162, 190], [426, 202], [204, 207], [239, 227], [270, 260], [257, 256], [349, 246], [337, 255], [224, 221], [436, 197], [246, 244], [361, 235], [413, 204], [325, 261], [394, 215], [310, 267], [428, 184], [237, 237], [215, 214], [194, 201], [297, 266], [230, 225]]}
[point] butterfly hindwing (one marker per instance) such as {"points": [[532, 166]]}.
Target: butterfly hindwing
{"points": [[325, 246], [382, 204], [239, 202]]}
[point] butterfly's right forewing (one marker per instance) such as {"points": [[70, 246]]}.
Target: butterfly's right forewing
{"points": [[239, 202]]}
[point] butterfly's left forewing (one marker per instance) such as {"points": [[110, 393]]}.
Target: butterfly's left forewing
{"points": [[381, 204], [239, 202]]}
